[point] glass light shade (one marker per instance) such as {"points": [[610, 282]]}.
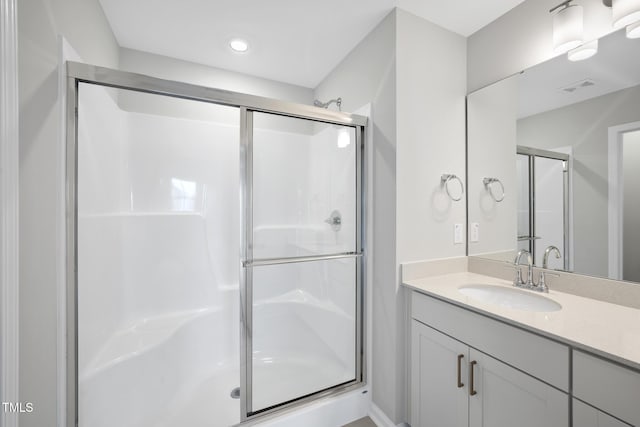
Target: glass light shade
{"points": [[567, 28], [585, 51], [633, 30], [625, 12]]}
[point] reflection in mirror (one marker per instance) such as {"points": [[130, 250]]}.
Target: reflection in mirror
{"points": [[564, 139], [543, 202]]}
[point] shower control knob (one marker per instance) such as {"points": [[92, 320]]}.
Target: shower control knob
{"points": [[335, 220]]}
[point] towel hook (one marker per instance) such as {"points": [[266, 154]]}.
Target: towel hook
{"points": [[444, 182], [488, 184]]}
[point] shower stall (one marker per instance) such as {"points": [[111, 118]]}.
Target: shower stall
{"points": [[215, 252], [543, 203]]}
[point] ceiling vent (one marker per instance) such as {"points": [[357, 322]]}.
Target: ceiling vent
{"points": [[578, 85]]}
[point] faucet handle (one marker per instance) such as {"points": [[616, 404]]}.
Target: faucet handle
{"points": [[542, 283], [517, 281]]}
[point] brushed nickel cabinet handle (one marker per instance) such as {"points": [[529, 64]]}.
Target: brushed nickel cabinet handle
{"points": [[460, 383], [472, 391]]}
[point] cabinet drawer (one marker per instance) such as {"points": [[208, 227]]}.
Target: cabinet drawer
{"points": [[538, 356], [588, 416], [607, 386]]}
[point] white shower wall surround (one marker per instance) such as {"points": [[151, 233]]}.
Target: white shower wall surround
{"points": [[158, 261]]}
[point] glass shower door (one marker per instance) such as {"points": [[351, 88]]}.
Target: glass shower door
{"points": [[550, 209], [543, 204], [525, 232], [157, 260], [301, 260]]}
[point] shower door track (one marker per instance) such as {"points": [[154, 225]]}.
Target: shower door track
{"points": [[248, 104]]}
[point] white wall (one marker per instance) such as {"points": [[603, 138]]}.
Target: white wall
{"points": [[40, 22], [368, 75], [631, 215], [584, 126], [491, 119], [431, 89], [523, 37], [430, 117], [189, 72], [413, 74]]}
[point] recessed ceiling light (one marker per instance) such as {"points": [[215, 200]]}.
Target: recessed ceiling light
{"points": [[239, 45]]}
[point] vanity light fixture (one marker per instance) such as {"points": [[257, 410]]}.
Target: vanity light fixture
{"points": [[239, 45], [584, 51], [633, 30], [625, 12], [567, 26]]}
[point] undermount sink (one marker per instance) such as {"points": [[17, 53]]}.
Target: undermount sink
{"points": [[510, 298]]}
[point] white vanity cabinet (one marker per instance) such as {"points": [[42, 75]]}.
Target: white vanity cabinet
{"points": [[469, 370], [507, 397], [454, 385], [610, 387], [439, 386], [588, 416]]}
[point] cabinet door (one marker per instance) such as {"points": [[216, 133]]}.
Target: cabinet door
{"points": [[437, 397], [588, 416], [506, 397]]}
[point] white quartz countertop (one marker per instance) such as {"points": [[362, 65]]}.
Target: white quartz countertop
{"points": [[610, 330]]}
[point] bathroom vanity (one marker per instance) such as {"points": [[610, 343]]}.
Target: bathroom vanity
{"points": [[480, 363]]}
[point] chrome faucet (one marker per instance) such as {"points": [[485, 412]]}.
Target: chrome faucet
{"points": [[545, 258], [542, 284], [518, 280]]}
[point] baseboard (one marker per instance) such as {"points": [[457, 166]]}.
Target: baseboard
{"points": [[379, 417]]}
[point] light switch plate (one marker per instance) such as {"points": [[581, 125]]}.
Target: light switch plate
{"points": [[475, 232], [458, 229]]}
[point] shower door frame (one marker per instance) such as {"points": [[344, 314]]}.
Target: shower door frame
{"points": [[531, 154], [247, 104]]}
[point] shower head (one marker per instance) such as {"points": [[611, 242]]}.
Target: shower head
{"points": [[338, 102]]}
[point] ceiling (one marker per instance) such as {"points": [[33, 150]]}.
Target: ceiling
{"points": [[293, 41]]}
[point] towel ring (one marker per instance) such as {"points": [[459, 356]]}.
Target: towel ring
{"points": [[444, 181], [488, 184]]}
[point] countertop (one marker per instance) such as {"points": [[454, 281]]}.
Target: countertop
{"points": [[609, 330]]}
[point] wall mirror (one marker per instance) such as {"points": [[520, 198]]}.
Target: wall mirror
{"points": [[554, 161]]}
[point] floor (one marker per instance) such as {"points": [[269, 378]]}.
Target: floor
{"points": [[362, 422]]}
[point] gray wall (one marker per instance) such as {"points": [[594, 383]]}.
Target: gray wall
{"points": [[523, 37], [584, 126], [631, 215], [413, 74], [40, 22]]}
